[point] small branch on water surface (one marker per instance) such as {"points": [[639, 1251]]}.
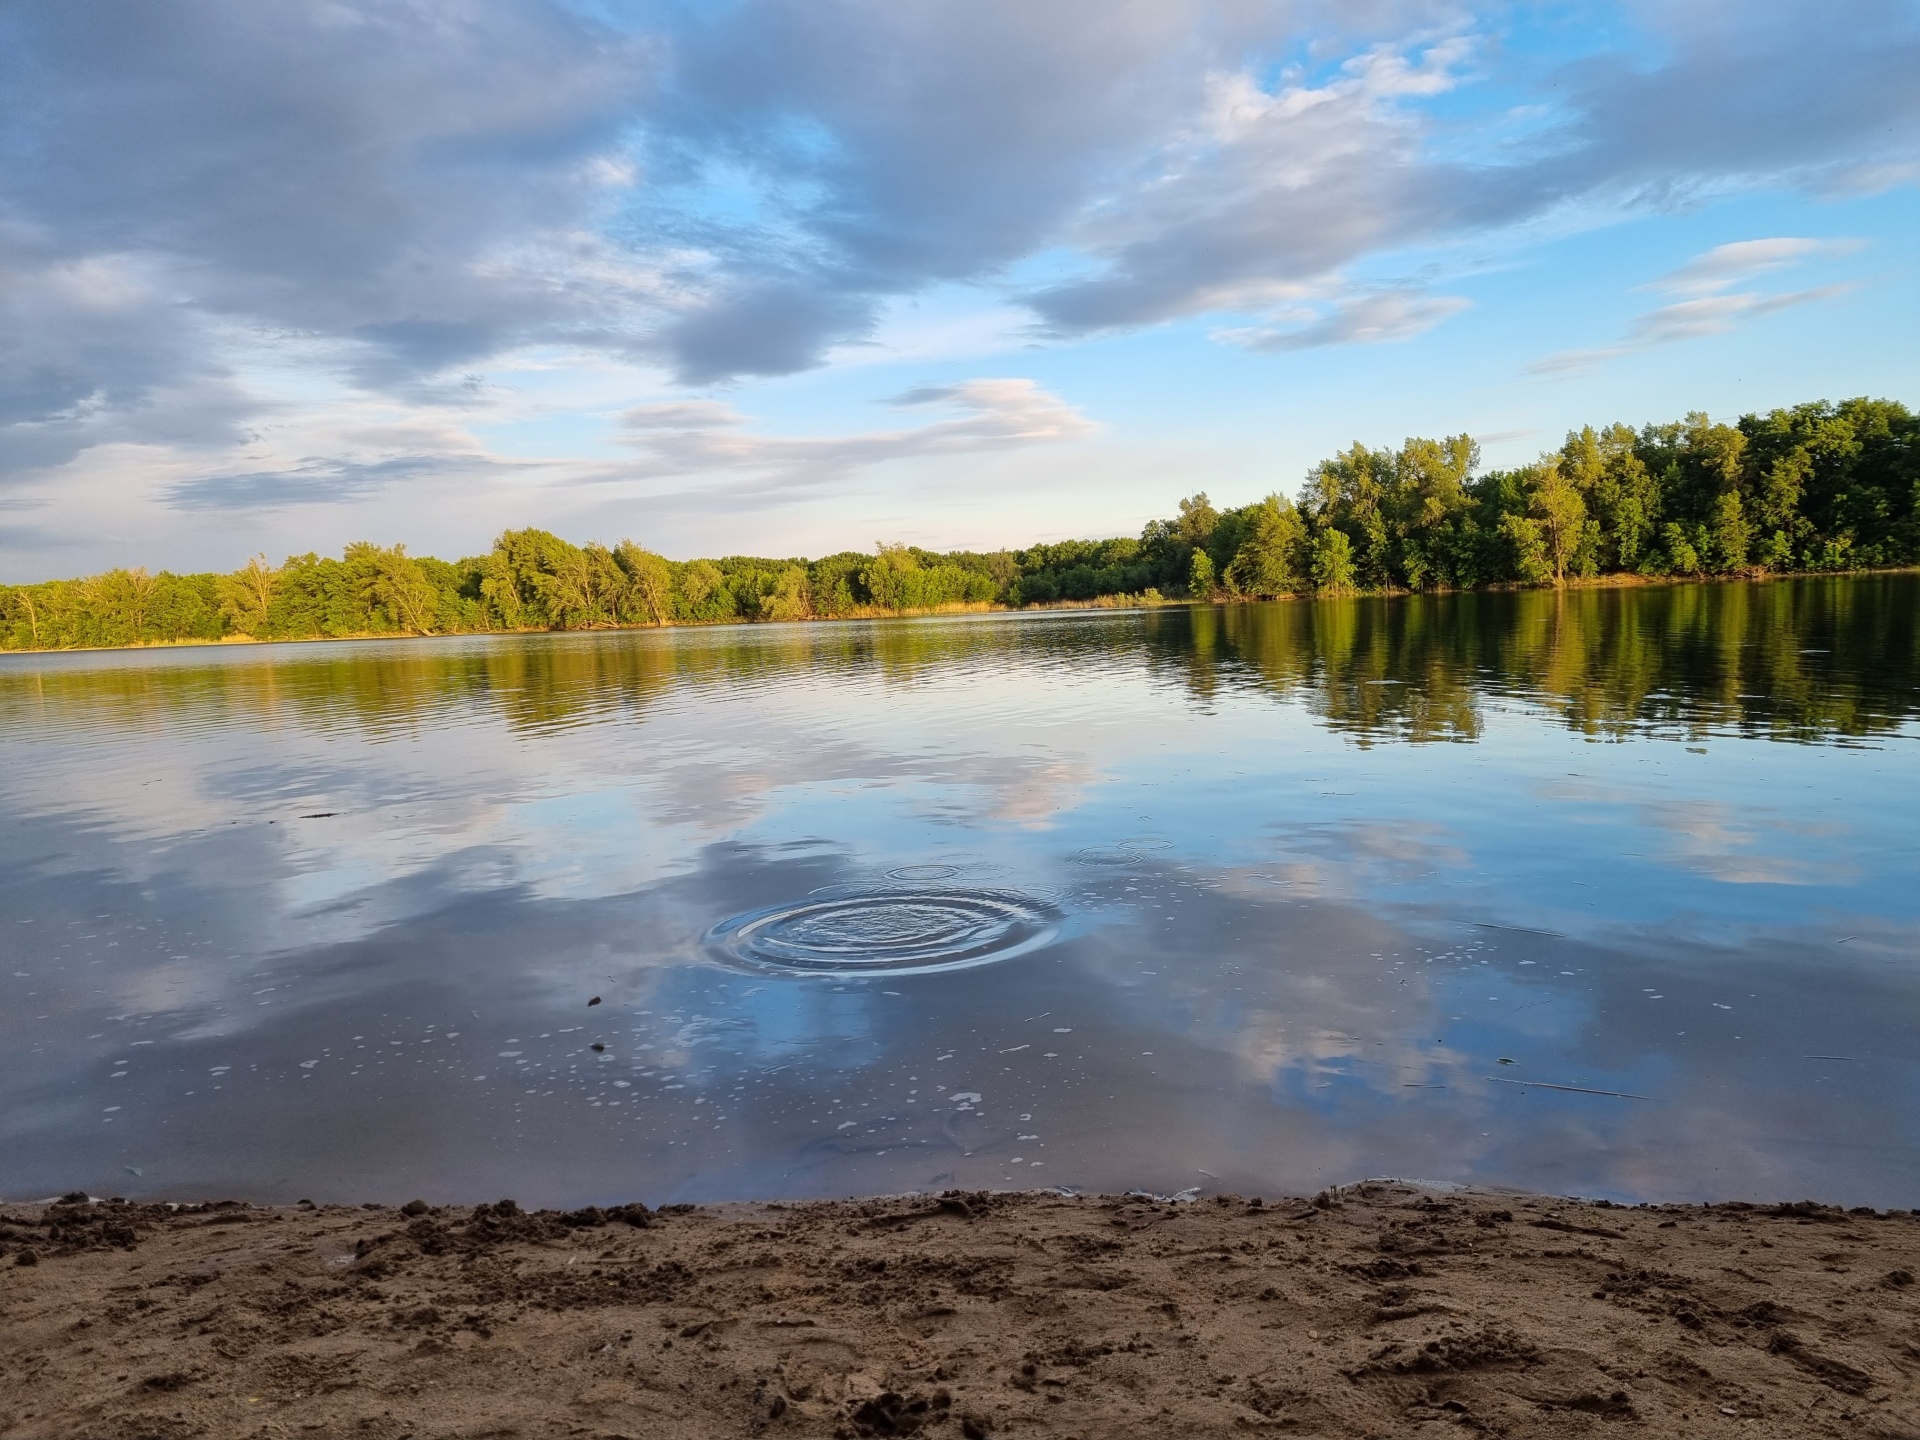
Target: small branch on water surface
{"points": [[1575, 1089]]}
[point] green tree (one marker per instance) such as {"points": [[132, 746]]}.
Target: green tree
{"points": [[1271, 559], [1198, 520], [834, 586], [1351, 492], [1531, 560], [22, 605], [1426, 506], [645, 585], [1729, 537], [246, 596], [540, 579], [1618, 489], [788, 599], [1200, 574], [703, 591], [1332, 564], [567, 589], [1556, 507], [394, 585], [501, 592], [889, 576], [121, 601], [1683, 554]]}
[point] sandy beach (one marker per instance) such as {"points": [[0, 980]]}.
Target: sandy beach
{"points": [[1381, 1309]]}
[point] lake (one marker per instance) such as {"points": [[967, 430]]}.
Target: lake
{"points": [[1601, 892]]}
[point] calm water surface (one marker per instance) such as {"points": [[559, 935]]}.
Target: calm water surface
{"points": [[1254, 899]]}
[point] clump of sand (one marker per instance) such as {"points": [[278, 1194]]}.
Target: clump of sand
{"points": [[1380, 1309]]}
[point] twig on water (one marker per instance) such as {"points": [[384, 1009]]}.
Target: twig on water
{"points": [[1576, 1089]]}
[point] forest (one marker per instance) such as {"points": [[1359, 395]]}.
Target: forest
{"points": [[1819, 487]]}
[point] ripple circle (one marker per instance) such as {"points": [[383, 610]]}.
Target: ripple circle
{"points": [[901, 931], [922, 873]]}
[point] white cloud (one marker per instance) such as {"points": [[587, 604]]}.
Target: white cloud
{"points": [[1379, 318], [682, 415], [217, 217], [708, 439], [1706, 311], [1726, 265], [410, 184], [1265, 195], [313, 481], [1717, 314]]}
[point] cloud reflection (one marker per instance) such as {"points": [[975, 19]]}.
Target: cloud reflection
{"points": [[336, 911]]}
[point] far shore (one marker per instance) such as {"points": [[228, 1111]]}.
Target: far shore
{"points": [[1617, 581], [1380, 1309]]}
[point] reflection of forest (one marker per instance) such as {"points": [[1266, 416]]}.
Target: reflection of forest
{"points": [[381, 687], [1806, 659], [1810, 659]]}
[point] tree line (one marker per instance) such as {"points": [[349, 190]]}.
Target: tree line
{"points": [[1816, 487], [1808, 660]]}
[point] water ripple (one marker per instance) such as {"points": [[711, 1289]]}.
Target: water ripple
{"points": [[896, 930]]}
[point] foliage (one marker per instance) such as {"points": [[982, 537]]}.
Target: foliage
{"points": [[1817, 487]]}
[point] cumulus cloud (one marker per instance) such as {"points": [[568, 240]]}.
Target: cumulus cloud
{"points": [[408, 191], [1269, 192], [366, 173], [1706, 311], [710, 439], [96, 349]]}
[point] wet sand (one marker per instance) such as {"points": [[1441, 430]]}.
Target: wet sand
{"points": [[1378, 1310]]}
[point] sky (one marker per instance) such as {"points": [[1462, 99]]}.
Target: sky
{"points": [[797, 276]]}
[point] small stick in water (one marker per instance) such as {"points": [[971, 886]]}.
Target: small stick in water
{"points": [[1576, 1089]]}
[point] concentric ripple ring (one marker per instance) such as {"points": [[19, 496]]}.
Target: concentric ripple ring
{"points": [[888, 931]]}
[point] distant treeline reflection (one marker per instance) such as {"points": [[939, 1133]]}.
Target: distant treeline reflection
{"points": [[1817, 659], [1819, 487], [1811, 659]]}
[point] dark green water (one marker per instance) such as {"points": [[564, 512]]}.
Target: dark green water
{"points": [[1255, 899]]}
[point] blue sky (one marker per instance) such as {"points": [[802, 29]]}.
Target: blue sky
{"points": [[793, 276]]}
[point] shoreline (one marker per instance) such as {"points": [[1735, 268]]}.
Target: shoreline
{"points": [[1383, 1308], [1620, 580]]}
